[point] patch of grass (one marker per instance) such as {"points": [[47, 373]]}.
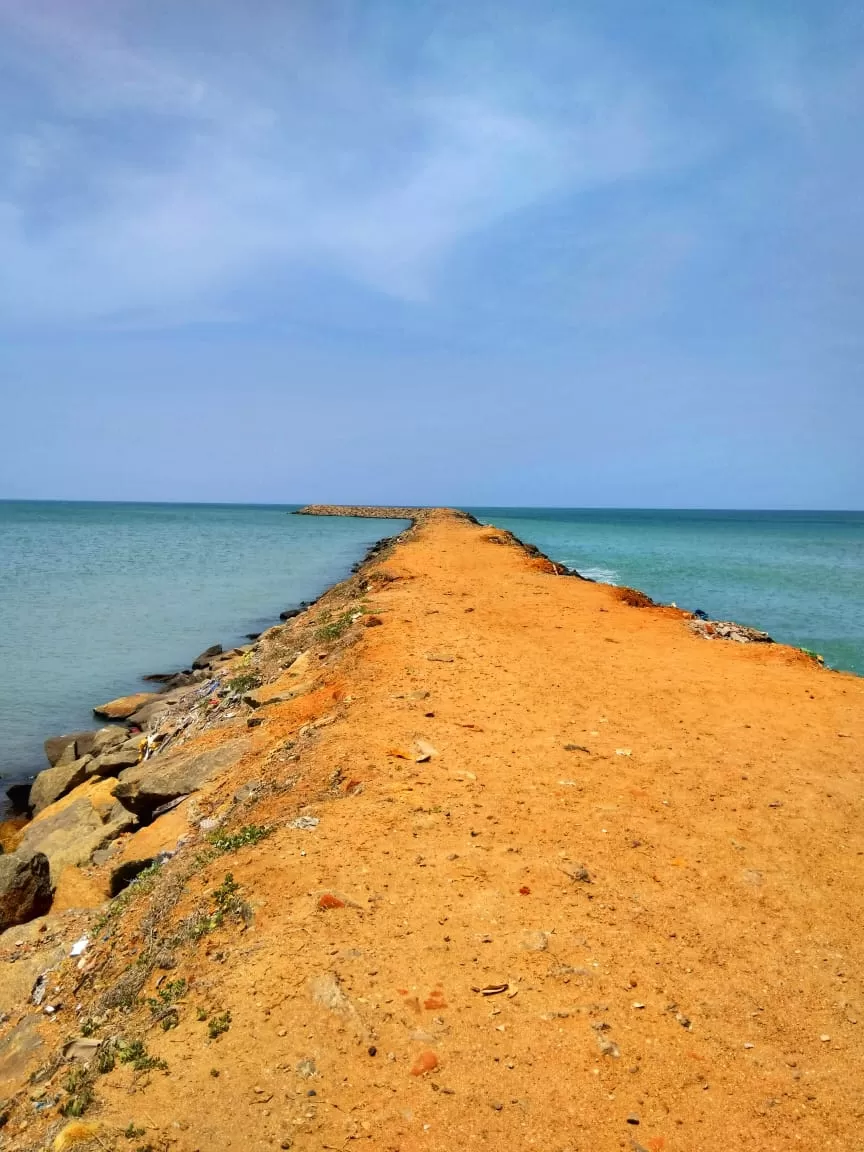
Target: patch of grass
{"points": [[243, 682], [244, 837], [136, 1054], [79, 1088], [228, 904], [105, 1058], [167, 995], [330, 628], [142, 885], [218, 1024], [131, 1133]]}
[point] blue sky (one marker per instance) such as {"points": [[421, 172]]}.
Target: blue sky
{"points": [[540, 252]]}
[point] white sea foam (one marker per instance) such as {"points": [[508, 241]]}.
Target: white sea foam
{"points": [[603, 575]]}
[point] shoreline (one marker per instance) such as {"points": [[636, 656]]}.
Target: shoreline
{"points": [[483, 855], [414, 515], [10, 809]]}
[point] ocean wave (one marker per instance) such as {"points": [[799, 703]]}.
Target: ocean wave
{"points": [[602, 575]]}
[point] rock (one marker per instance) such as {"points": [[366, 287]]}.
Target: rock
{"points": [[107, 738], [25, 887], [113, 763], [536, 941], [290, 613], [426, 1062], [206, 656], [55, 746], [69, 831], [147, 786], [124, 706], [55, 782], [19, 1051], [19, 798], [158, 677]]}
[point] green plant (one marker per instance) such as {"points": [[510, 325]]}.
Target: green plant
{"points": [[227, 903], [136, 1054], [167, 995], [131, 1132], [243, 682], [330, 629], [105, 1059], [218, 1024], [79, 1088], [244, 837]]}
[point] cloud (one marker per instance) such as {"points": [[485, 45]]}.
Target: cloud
{"points": [[143, 183]]}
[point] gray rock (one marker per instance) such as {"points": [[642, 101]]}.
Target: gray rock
{"points": [[113, 763], [74, 832], [55, 746], [157, 781], [25, 887], [55, 782], [107, 738], [207, 656]]}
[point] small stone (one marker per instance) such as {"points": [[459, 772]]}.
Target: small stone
{"points": [[537, 941], [632, 1118], [329, 901], [426, 1062], [824, 1037], [498, 1106], [372, 1050]]}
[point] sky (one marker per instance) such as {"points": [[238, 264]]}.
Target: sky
{"points": [[529, 252]]}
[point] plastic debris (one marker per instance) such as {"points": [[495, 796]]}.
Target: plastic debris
{"points": [[305, 823], [79, 946]]}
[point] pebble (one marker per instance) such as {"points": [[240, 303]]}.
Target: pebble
{"points": [[632, 1118], [824, 1037]]}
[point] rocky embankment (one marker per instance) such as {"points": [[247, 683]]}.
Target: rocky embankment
{"points": [[463, 854], [366, 511]]}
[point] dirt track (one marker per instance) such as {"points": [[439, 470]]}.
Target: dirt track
{"points": [[674, 903]]}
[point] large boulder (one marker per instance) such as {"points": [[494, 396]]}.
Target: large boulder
{"points": [[55, 782], [155, 782], [124, 706], [25, 887], [108, 738], [71, 829], [112, 763], [207, 656], [57, 747]]}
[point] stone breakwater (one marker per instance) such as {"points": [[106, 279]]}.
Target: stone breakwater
{"points": [[367, 511], [464, 849]]}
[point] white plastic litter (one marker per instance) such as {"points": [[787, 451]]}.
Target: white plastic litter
{"points": [[79, 946], [306, 823]]}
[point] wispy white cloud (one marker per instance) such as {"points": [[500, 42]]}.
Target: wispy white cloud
{"points": [[144, 182]]}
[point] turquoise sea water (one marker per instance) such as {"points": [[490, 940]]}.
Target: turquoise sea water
{"points": [[92, 596], [796, 575]]}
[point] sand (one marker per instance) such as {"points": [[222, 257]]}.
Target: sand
{"points": [[646, 844]]}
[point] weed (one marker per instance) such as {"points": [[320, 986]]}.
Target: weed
{"points": [[227, 902], [88, 1027], [214, 1072], [131, 1132], [167, 995], [242, 838], [243, 682], [105, 1059], [136, 1054], [201, 1013], [218, 1024], [143, 884], [79, 1087], [330, 629]]}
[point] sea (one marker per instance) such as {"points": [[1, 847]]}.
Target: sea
{"points": [[798, 576], [94, 595]]}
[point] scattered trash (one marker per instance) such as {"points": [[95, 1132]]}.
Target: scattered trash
{"points": [[824, 1037], [306, 1068], [82, 1049], [577, 748], [577, 872], [79, 946], [491, 989], [608, 1047], [423, 751], [305, 823], [39, 989], [623, 752], [441, 659]]}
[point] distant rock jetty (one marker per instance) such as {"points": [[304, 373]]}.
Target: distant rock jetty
{"points": [[367, 511]]}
